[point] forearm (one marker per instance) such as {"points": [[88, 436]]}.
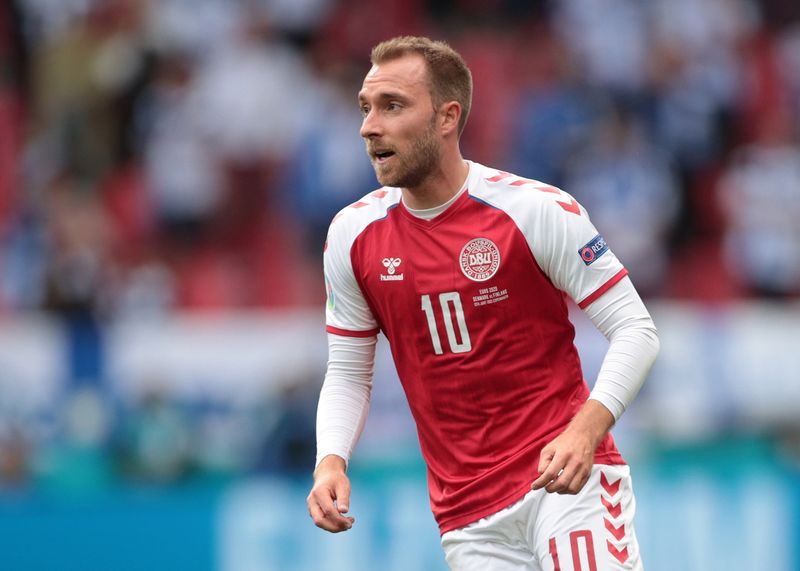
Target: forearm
{"points": [[633, 346], [345, 396]]}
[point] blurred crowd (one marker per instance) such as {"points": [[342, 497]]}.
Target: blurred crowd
{"points": [[174, 154], [190, 154], [163, 155]]}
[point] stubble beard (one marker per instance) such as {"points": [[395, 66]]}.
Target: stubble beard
{"points": [[420, 161]]}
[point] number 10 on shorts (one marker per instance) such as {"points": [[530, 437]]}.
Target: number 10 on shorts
{"points": [[451, 319], [582, 548]]}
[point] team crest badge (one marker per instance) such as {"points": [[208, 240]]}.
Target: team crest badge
{"points": [[479, 259]]}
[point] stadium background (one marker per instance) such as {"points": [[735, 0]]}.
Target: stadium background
{"points": [[167, 172]]}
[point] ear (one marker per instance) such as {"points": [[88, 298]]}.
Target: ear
{"points": [[449, 115]]}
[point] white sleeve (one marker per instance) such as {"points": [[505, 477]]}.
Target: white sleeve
{"points": [[347, 311], [568, 248], [345, 395], [621, 316]]}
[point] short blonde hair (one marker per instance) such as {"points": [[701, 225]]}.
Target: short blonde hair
{"points": [[449, 76]]}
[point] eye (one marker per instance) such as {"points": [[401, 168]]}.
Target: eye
{"points": [[393, 106], [364, 110]]}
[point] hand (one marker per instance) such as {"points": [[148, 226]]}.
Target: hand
{"points": [[566, 462], [330, 496]]}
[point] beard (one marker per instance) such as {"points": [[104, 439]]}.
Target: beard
{"points": [[415, 165]]}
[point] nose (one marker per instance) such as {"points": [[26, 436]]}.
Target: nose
{"points": [[370, 126]]}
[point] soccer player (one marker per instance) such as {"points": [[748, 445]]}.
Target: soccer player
{"points": [[465, 270]]}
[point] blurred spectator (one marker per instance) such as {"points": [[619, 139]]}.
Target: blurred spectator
{"points": [[609, 41], [696, 66], [14, 91], [697, 74], [354, 26], [79, 239], [183, 177], [556, 111], [490, 53], [253, 96], [789, 64], [300, 19], [289, 441], [80, 71], [14, 457], [333, 170], [76, 460], [156, 441], [226, 435], [760, 192], [23, 266], [145, 289], [628, 188]]}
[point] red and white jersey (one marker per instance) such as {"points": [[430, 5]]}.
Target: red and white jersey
{"points": [[473, 305]]}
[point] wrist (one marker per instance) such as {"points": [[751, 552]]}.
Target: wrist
{"points": [[330, 463], [593, 420]]}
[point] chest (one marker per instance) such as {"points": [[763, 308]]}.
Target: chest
{"points": [[475, 260]]}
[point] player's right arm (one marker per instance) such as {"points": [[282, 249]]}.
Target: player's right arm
{"points": [[345, 395], [341, 414]]}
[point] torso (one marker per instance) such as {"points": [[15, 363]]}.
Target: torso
{"points": [[479, 331]]}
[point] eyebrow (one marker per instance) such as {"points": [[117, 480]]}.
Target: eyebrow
{"points": [[383, 96]]}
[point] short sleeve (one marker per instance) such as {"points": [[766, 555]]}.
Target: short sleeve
{"points": [[570, 250], [347, 312]]}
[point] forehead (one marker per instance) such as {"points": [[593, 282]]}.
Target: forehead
{"points": [[407, 74]]}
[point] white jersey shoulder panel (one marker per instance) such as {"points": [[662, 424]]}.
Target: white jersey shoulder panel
{"points": [[557, 229], [347, 311]]}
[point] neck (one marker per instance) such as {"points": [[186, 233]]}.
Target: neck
{"points": [[442, 184]]}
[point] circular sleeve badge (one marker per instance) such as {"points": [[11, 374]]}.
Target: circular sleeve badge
{"points": [[479, 259]]}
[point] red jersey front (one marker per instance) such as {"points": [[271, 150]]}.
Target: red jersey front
{"points": [[473, 305]]}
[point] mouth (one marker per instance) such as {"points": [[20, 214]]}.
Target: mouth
{"points": [[382, 156]]}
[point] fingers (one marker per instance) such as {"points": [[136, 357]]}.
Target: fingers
{"points": [[570, 480], [328, 517], [548, 470], [326, 512], [562, 474]]}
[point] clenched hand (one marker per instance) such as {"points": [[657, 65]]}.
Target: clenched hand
{"points": [[566, 462], [329, 498]]}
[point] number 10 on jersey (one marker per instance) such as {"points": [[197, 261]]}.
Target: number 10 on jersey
{"points": [[446, 301]]}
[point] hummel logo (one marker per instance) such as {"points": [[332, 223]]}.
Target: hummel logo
{"points": [[391, 267], [391, 264]]}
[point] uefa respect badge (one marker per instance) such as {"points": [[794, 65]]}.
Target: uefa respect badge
{"points": [[593, 250]]}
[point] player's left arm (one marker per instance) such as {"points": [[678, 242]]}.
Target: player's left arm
{"points": [[566, 462], [575, 257]]}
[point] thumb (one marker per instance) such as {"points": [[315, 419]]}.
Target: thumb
{"points": [[343, 497]]}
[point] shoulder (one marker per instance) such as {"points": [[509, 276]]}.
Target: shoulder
{"points": [[353, 219], [519, 196]]}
